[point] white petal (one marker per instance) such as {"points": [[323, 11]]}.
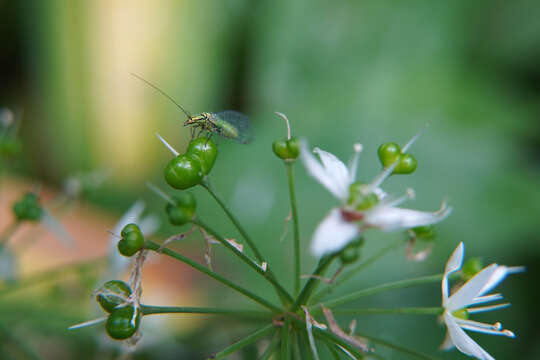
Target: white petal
{"points": [[453, 264], [333, 233], [447, 343], [455, 260], [394, 218], [336, 170], [499, 275], [331, 173], [462, 341], [466, 294]]}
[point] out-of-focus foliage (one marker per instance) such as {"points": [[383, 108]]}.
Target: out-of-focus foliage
{"points": [[343, 72]]}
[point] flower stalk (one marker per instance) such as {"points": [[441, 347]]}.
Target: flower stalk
{"points": [[296, 230]]}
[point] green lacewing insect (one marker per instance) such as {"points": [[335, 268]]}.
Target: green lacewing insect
{"points": [[229, 124]]}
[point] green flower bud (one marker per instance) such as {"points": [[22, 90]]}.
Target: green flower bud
{"points": [[132, 240], [424, 232], [112, 294], [184, 171], [183, 209], [119, 325], [10, 146], [389, 153], [351, 252], [471, 267], [28, 208], [359, 199], [286, 149], [205, 150]]}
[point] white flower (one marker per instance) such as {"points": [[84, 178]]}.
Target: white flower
{"points": [[330, 171], [472, 293], [344, 224]]}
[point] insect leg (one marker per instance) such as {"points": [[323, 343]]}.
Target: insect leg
{"points": [[209, 137]]}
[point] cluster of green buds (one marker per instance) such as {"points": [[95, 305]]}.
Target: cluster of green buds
{"points": [[189, 169], [114, 297], [28, 208]]}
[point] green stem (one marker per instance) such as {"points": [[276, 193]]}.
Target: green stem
{"points": [[380, 288], [150, 245], [271, 348], [399, 348], [294, 210], [281, 291], [244, 342], [296, 346], [151, 310], [9, 231], [412, 310], [285, 350], [355, 270], [313, 282], [332, 349], [236, 223], [303, 346], [326, 335]]}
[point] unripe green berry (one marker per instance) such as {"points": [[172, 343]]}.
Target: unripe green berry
{"points": [[280, 148], [132, 240], [389, 153], [112, 294], [359, 199], [471, 267], [183, 209], [119, 325], [286, 149], [205, 150], [407, 165], [184, 171], [28, 208]]}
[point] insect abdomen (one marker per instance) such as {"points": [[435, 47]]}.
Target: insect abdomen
{"points": [[226, 129]]}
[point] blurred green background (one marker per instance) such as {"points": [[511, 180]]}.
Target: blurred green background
{"points": [[343, 72]]}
